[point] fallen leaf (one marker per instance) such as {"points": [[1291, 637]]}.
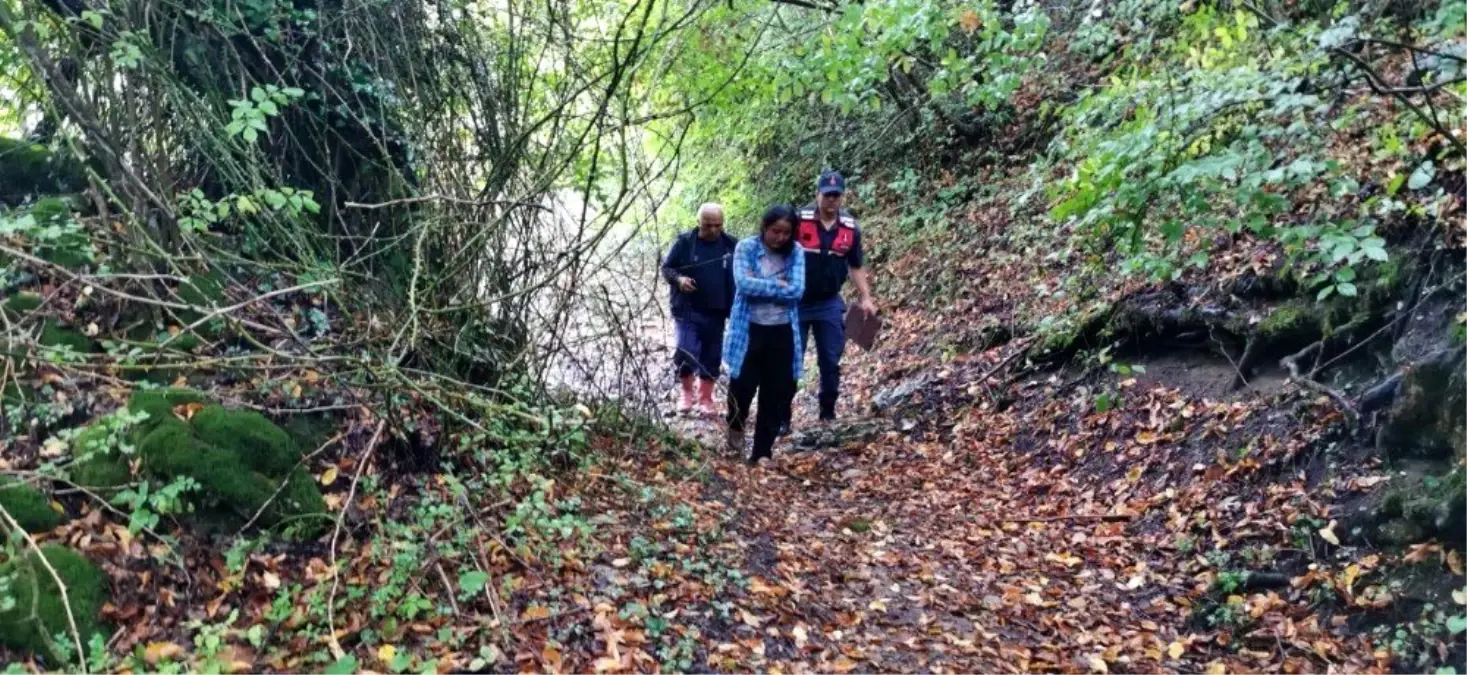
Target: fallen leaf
{"points": [[1454, 562], [551, 656], [749, 619], [621, 562], [1460, 596], [1097, 664], [535, 612], [1328, 533], [386, 653], [156, 652], [272, 580], [843, 664], [801, 636], [53, 447], [1217, 668], [1176, 649], [329, 475]]}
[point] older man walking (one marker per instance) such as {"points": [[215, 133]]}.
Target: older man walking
{"points": [[699, 270]]}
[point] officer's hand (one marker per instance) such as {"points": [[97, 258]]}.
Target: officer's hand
{"points": [[686, 284], [869, 306]]}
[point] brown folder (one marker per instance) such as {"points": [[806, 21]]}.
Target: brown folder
{"points": [[861, 327]]}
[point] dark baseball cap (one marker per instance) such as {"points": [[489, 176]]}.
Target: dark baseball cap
{"points": [[831, 182]]}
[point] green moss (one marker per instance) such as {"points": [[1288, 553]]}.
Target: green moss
{"points": [[22, 303], [31, 169], [39, 612], [262, 446], [159, 404], [1289, 320], [172, 450], [53, 334], [28, 506], [101, 472], [239, 459]]}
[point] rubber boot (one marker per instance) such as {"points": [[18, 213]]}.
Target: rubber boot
{"points": [[705, 398], [827, 407], [685, 401]]}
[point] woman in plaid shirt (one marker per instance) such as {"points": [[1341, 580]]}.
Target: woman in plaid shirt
{"points": [[761, 345]]}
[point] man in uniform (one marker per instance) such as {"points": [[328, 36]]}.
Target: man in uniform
{"points": [[832, 243]]}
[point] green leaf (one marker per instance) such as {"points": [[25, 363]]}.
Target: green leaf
{"points": [[1347, 289], [293, 92], [268, 107], [1375, 253], [472, 582], [257, 94], [1325, 292], [274, 199], [1422, 176], [345, 665], [93, 18], [1446, 670], [1395, 185], [1457, 624], [1345, 274], [250, 134], [245, 205]]}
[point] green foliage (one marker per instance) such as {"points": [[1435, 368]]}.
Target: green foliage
{"points": [[28, 505], [248, 115], [48, 227], [38, 613]]}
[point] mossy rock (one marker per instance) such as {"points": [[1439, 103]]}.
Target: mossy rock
{"points": [[1429, 416], [39, 612], [31, 169], [262, 446], [28, 506], [21, 304], [53, 334], [159, 404], [239, 459], [100, 472]]}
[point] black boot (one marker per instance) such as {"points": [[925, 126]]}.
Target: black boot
{"points": [[827, 407]]}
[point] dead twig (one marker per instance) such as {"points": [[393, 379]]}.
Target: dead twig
{"points": [[1344, 403], [335, 645]]}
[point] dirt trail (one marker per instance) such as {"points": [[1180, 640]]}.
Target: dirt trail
{"points": [[974, 527]]}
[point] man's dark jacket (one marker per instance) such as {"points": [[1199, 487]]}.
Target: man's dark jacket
{"points": [[711, 271]]}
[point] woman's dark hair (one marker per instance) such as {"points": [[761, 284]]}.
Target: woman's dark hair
{"points": [[775, 214]]}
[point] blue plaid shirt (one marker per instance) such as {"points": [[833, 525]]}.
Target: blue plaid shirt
{"points": [[748, 283]]}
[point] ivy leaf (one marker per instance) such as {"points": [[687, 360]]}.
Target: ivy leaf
{"points": [[1422, 176], [472, 582], [1457, 624], [345, 665]]}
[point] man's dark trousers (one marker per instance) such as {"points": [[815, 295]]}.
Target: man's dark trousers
{"points": [[826, 319]]}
